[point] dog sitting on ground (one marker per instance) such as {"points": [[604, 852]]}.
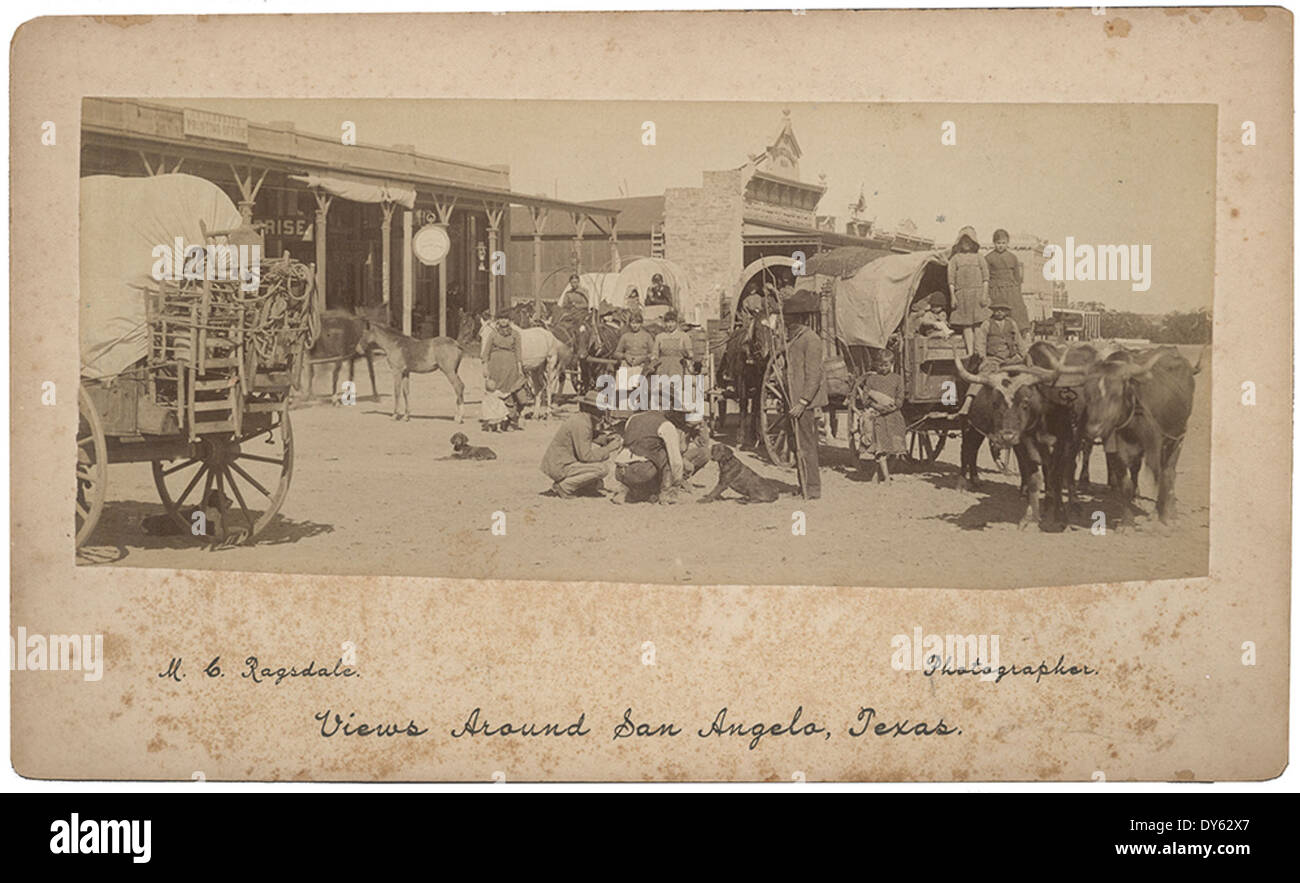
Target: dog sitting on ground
{"points": [[733, 474], [461, 449]]}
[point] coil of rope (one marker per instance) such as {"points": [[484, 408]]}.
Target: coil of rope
{"points": [[284, 310]]}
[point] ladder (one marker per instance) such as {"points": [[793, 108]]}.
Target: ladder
{"points": [[657, 239]]}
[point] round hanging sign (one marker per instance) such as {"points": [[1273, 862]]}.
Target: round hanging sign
{"points": [[431, 244]]}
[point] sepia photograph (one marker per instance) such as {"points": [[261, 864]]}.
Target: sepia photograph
{"points": [[701, 400], [647, 341]]}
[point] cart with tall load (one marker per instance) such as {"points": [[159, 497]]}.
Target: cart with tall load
{"points": [[190, 344], [868, 300]]}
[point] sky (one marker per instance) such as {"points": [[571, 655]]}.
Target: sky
{"points": [[1104, 174]]}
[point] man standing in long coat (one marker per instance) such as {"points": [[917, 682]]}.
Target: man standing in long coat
{"points": [[807, 382]]}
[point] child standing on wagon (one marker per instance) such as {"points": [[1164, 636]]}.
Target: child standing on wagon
{"points": [[1006, 275], [968, 277]]}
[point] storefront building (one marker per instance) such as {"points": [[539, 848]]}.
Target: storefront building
{"points": [[351, 211], [714, 231]]}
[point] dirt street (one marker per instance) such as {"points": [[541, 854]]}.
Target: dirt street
{"points": [[369, 496]]}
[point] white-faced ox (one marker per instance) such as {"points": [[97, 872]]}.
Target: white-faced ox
{"points": [[1009, 409]]}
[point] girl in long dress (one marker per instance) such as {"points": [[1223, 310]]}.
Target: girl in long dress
{"points": [[1006, 275], [968, 277], [503, 372]]}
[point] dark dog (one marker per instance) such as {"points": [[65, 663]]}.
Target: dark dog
{"points": [[740, 478], [461, 449]]}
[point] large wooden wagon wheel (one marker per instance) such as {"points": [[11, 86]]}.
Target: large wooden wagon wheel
{"points": [[924, 442], [92, 467], [250, 475], [857, 406], [774, 420]]}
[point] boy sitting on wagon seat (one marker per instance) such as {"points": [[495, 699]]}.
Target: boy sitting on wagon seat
{"points": [[1002, 337]]}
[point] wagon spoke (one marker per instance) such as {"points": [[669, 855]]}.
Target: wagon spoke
{"points": [[83, 511], [253, 481], [207, 489], [88, 440], [180, 501], [259, 458], [180, 466], [234, 486]]}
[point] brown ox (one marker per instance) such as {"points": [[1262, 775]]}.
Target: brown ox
{"points": [[1142, 401]]}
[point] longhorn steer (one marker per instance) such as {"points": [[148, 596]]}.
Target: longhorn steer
{"points": [[1010, 411]]}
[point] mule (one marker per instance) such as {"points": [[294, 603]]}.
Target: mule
{"points": [[407, 355], [340, 332], [748, 349]]}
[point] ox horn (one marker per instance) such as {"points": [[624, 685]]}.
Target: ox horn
{"points": [[1047, 351], [970, 378], [1036, 370], [1135, 369]]}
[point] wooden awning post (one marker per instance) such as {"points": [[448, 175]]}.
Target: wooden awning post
{"points": [[408, 272], [579, 224], [323, 201], [247, 190], [494, 231], [539, 214], [615, 259], [160, 169], [386, 264], [444, 210]]}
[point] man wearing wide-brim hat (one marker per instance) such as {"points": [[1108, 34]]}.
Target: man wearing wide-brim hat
{"points": [[807, 382], [573, 461]]}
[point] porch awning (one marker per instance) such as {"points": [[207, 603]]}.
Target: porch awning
{"points": [[360, 191]]}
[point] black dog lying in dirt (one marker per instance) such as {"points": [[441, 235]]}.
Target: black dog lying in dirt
{"points": [[733, 474], [461, 449]]}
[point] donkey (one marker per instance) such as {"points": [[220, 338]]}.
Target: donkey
{"points": [[407, 354]]}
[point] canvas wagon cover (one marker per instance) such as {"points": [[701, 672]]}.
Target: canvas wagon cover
{"points": [[122, 221], [613, 287], [870, 303]]}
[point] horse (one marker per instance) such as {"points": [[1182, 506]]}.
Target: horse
{"points": [[744, 361], [340, 332], [595, 336], [523, 315], [587, 337], [542, 354], [407, 355]]}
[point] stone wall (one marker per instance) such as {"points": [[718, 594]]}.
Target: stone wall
{"points": [[703, 235]]}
